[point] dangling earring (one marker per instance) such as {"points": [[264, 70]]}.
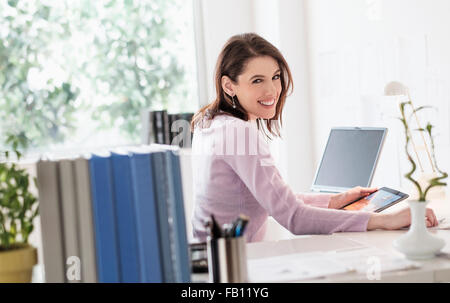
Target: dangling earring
{"points": [[233, 101]]}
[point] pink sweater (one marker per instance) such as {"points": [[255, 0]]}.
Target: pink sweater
{"points": [[234, 174]]}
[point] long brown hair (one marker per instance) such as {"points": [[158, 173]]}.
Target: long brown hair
{"points": [[232, 60]]}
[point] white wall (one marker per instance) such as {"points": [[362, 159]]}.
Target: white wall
{"points": [[220, 21], [357, 47], [281, 22]]}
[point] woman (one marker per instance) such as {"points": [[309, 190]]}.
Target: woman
{"points": [[233, 170]]}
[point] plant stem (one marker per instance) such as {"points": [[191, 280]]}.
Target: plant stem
{"points": [[413, 164]]}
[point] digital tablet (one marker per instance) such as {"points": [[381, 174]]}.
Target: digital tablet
{"points": [[377, 201]]}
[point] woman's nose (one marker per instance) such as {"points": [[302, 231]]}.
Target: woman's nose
{"points": [[271, 89]]}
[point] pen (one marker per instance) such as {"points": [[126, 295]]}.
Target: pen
{"points": [[233, 227], [228, 230], [240, 225]]}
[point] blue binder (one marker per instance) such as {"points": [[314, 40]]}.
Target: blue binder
{"points": [[104, 219], [126, 221], [183, 267], [150, 254], [163, 214]]}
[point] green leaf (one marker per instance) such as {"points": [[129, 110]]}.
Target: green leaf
{"points": [[13, 3]]}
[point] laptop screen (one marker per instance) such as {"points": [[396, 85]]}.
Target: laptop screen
{"points": [[349, 159]]}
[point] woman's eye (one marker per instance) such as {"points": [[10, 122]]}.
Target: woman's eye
{"points": [[276, 77]]}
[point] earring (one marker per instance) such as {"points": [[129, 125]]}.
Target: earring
{"points": [[234, 102]]}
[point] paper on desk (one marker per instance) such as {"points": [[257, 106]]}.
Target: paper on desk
{"points": [[370, 259], [313, 265], [293, 267]]}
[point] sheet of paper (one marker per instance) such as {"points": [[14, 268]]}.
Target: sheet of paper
{"points": [[296, 267], [372, 259], [293, 267]]}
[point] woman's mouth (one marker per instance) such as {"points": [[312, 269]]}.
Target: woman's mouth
{"points": [[267, 103]]}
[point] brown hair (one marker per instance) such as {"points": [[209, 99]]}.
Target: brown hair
{"points": [[232, 60]]}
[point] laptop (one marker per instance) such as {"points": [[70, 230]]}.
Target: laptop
{"points": [[349, 159]]}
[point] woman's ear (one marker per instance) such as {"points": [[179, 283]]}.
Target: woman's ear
{"points": [[227, 86]]}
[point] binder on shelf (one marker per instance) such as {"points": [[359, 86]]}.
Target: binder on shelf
{"points": [[107, 257], [126, 221], [163, 217], [86, 221], [172, 132], [158, 127], [186, 135], [176, 206], [160, 123], [147, 130], [51, 223], [149, 252], [69, 213], [185, 156]]}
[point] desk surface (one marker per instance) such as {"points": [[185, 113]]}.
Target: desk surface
{"points": [[433, 270]]}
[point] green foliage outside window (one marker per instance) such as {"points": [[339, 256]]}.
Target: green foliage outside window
{"points": [[68, 61], [43, 114], [135, 60]]}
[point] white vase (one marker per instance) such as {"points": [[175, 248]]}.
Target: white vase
{"points": [[418, 243]]}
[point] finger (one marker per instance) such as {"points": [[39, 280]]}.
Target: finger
{"points": [[431, 222], [428, 220], [428, 216], [369, 189], [432, 216], [434, 219]]}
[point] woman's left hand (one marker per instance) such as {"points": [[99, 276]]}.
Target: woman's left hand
{"points": [[337, 201]]}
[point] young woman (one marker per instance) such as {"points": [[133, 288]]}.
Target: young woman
{"points": [[234, 172]]}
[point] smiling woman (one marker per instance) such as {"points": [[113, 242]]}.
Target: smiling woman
{"points": [[252, 81], [233, 170]]}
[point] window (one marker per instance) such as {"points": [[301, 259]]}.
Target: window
{"points": [[77, 73]]}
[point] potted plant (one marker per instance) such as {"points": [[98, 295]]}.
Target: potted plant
{"points": [[418, 243], [18, 208]]}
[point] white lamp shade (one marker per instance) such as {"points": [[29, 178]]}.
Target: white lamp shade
{"points": [[395, 88]]}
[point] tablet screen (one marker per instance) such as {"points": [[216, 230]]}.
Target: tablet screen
{"points": [[374, 201]]}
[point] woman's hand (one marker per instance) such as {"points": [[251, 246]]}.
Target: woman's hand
{"points": [[398, 219], [337, 201]]}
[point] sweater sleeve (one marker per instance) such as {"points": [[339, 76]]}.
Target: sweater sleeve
{"points": [[315, 199], [264, 181]]}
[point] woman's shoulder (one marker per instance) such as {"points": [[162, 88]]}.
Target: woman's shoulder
{"points": [[221, 119], [226, 131]]}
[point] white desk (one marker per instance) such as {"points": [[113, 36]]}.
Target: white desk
{"points": [[433, 270]]}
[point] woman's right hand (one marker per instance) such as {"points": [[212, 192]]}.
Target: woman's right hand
{"points": [[398, 219]]}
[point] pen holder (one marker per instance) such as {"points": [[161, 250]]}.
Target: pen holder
{"points": [[227, 260]]}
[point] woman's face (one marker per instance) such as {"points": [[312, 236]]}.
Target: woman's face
{"points": [[258, 87]]}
